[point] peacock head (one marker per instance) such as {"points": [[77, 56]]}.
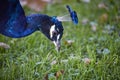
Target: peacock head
{"points": [[56, 32]]}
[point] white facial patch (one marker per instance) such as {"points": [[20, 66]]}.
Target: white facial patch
{"points": [[58, 37], [52, 29]]}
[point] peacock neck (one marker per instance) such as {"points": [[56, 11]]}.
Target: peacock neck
{"points": [[20, 27], [14, 23]]}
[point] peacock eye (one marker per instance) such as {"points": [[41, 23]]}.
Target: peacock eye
{"points": [[54, 33]]}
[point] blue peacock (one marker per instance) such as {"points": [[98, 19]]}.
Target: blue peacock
{"points": [[15, 24]]}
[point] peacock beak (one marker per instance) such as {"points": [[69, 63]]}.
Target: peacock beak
{"points": [[57, 45]]}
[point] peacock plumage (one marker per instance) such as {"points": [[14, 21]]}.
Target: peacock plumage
{"points": [[15, 24]]}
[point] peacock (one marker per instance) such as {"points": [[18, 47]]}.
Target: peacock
{"points": [[15, 24]]}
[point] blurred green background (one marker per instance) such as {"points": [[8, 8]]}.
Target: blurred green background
{"points": [[89, 50]]}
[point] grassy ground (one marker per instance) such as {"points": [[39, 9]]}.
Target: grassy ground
{"points": [[93, 55]]}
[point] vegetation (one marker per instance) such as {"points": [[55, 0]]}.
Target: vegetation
{"points": [[89, 50]]}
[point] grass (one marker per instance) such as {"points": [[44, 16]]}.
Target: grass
{"points": [[34, 57]]}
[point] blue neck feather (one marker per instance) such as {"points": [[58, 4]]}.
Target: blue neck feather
{"points": [[14, 23], [34, 22]]}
